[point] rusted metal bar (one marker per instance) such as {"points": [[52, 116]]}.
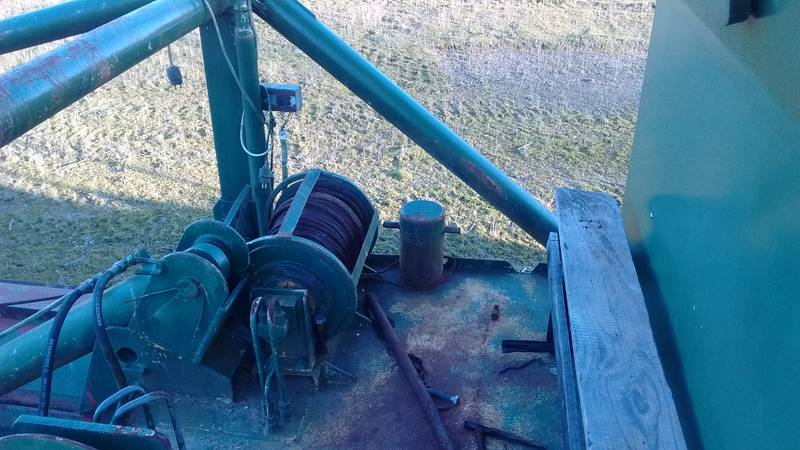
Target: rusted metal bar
{"points": [[35, 91], [401, 356], [59, 21]]}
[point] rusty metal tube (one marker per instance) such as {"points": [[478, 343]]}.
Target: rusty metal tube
{"points": [[35, 91], [59, 21], [297, 24], [401, 356]]}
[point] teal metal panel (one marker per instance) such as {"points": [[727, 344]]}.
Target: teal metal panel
{"points": [[711, 213]]}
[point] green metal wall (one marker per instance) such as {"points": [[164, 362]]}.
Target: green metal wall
{"points": [[712, 211]]}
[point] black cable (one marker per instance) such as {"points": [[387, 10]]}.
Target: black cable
{"points": [[48, 363], [98, 284], [101, 334], [103, 342], [32, 300]]}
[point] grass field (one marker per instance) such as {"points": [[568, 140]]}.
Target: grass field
{"points": [[546, 89]]}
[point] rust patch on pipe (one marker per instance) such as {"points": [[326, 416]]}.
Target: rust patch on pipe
{"points": [[480, 176]]}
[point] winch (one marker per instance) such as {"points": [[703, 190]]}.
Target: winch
{"points": [[303, 276]]}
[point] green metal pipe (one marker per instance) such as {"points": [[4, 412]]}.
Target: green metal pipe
{"points": [[34, 91], [253, 118], [59, 21], [301, 28], [21, 358]]}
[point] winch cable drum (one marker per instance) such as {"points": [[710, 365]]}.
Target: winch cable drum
{"points": [[320, 228], [331, 218]]}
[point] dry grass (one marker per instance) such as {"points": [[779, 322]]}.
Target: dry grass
{"points": [[546, 89]]}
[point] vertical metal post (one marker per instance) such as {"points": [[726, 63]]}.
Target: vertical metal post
{"points": [[225, 104], [252, 118]]}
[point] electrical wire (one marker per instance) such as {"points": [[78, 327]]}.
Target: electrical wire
{"points": [[230, 64], [270, 137], [271, 141], [169, 55], [244, 147]]}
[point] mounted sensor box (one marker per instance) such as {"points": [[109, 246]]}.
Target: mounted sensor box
{"points": [[281, 97]]}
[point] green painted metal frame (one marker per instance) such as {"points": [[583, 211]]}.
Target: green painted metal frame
{"points": [[295, 22], [253, 119], [35, 91], [59, 21]]}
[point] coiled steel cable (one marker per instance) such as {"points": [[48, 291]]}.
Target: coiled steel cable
{"points": [[333, 217]]}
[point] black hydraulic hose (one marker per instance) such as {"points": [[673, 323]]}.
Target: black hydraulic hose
{"points": [[126, 392], [101, 279], [101, 333], [149, 398], [103, 342], [48, 363], [401, 356]]}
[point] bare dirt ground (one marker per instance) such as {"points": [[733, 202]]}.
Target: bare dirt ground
{"points": [[546, 89]]}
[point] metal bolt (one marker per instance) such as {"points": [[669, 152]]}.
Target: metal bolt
{"points": [[187, 288], [496, 312], [439, 394]]}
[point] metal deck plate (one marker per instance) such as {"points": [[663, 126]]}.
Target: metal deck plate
{"points": [[450, 328]]}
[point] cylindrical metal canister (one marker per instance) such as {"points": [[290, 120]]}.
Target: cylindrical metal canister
{"points": [[422, 227]]}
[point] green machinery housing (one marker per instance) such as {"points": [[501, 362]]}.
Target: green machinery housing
{"points": [[709, 213]]}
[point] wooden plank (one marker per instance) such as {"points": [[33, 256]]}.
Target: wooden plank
{"points": [[624, 398], [571, 429]]}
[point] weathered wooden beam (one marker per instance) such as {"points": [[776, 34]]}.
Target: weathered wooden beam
{"points": [[571, 429], [624, 398]]}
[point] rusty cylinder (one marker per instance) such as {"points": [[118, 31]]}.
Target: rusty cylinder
{"points": [[422, 228]]}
